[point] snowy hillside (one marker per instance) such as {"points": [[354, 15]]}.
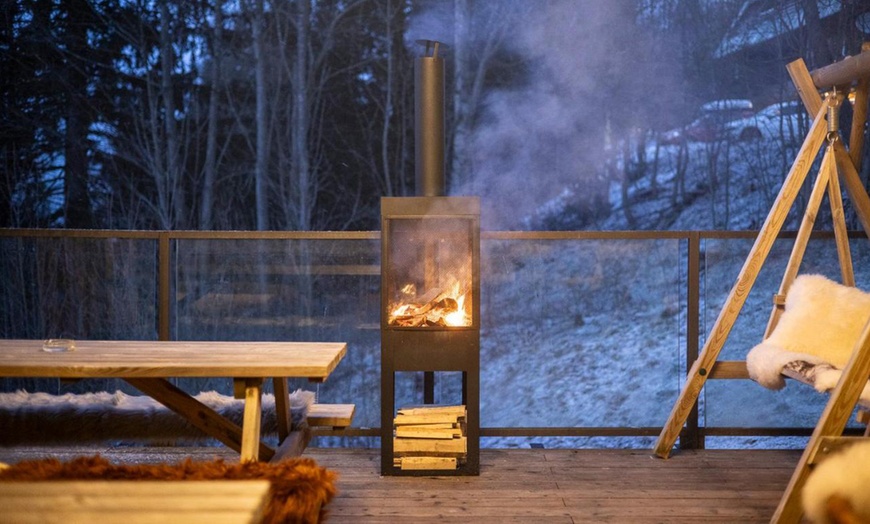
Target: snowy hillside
{"points": [[598, 338], [591, 333]]}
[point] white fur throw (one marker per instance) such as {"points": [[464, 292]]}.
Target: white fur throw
{"points": [[42, 418], [845, 473], [821, 325]]}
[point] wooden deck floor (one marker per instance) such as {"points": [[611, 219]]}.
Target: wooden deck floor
{"points": [[536, 485]]}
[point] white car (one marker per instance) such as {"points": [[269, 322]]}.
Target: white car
{"points": [[783, 120]]}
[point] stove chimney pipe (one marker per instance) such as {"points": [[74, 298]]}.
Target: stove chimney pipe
{"points": [[429, 120]]}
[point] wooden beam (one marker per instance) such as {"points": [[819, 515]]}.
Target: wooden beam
{"points": [[854, 187], [843, 72], [859, 118], [847, 167], [803, 83], [841, 233], [800, 243], [734, 303], [729, 369]]}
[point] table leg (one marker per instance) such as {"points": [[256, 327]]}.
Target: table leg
{"points": [[291, 441], [251, 422], [282, 407]]}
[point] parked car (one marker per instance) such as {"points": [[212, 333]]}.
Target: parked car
{"points": [[710, 124], [779, 120]]}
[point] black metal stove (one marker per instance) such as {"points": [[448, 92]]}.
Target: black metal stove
{"points": [[430, 278]]}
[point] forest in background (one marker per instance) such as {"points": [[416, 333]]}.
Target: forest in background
{"points": [[299, 114]]}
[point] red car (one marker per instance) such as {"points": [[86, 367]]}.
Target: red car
{"points": [[711, 122]]}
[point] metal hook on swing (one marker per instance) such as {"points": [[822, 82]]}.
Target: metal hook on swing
{"points": [[833, 116]]}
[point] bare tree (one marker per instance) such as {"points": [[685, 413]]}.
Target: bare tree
{"points": [[77, 201], [262, 151], [394, 14], [210, 167], [158, 126], [172, 186], [301, 118], [305, 58]]}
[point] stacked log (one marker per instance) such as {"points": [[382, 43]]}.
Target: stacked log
{"points": [[430, 437]]}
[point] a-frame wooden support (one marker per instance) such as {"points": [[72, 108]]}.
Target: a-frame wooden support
{"points": [[837, 165]]}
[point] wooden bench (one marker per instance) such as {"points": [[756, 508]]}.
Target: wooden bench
{"points": [[134, 501], [123, 417], [337, 416]]}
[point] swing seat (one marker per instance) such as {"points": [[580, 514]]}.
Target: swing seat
{"points": [[814, 338]]}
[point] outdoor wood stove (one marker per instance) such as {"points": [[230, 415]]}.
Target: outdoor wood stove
{"points": [[430, 308]]}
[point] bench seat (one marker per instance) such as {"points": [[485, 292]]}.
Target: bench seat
{"points": [[338, 416]]}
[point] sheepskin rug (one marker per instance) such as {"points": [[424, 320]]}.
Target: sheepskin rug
{"points": [[816, 334], [845, 474], [300, 488], [99, 417]]}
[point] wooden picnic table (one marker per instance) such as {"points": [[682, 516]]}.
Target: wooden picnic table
{"points": [[148, 364]]}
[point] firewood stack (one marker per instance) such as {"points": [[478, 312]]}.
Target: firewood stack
{"points": [[430, 437]]}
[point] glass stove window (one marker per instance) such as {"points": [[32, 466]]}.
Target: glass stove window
{"points": [[429, 277]]}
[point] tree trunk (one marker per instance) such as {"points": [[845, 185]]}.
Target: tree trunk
{"points": [[207, 197], [299, 123], [820, 54], [172, 171], [261, 198], [77, 203], [388, 102]]}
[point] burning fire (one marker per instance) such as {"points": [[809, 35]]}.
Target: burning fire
{"points": [[435, 308]]}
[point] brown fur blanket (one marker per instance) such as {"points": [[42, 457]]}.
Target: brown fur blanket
{"points": [[42, 418], [300, 488]]}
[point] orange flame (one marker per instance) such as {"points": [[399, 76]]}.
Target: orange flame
{"points": [[446, 309]]}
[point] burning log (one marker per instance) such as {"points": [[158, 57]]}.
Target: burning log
{"points": [[432, 309]]}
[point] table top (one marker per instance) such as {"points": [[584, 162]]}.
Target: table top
{"points": [[140, 359], [134, 501]]}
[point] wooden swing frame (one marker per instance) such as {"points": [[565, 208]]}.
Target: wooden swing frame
{"points": [[837, 164]]}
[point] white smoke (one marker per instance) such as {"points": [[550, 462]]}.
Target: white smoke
{"points": [[576, 61]]}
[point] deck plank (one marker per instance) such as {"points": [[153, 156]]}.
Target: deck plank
{"points": [[568, 486], [536, 485]]}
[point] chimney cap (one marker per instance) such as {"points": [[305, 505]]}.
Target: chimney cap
{"points": [[432, 45]]}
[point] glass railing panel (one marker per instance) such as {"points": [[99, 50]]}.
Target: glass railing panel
{"points": [[581, 332], [79, 288], [303, 289], [577, 331], [743, 403]]}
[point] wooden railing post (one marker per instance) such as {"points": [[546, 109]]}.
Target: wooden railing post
{"points": [[163, 286], [691, 437]]}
